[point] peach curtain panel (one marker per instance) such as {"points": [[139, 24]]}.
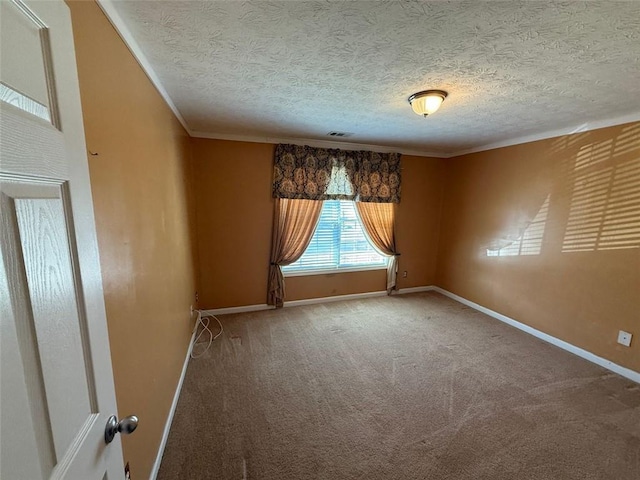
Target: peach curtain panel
{"points": [[378, 220], [294, 222]]}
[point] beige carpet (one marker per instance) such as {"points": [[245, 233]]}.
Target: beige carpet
{"points": [[405, 387]]}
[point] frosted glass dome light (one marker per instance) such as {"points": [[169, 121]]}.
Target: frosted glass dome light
{"points": [[426, 102]]}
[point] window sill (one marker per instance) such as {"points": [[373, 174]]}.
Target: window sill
{"points": [[332, 271]]}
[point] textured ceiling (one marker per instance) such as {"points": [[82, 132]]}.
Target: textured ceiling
{"points": [[299, 69]]}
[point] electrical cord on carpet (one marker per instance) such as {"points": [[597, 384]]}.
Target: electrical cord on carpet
{"points": [[204, 322]]}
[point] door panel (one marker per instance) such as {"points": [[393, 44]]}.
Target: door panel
{"points": [[56, 389], [42, 230], [22, 395], [23, 40], [25, 139]]}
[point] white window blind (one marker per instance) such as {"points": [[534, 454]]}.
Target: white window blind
{"points": [[338, 242]]}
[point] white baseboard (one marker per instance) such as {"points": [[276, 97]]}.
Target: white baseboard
{"points": [[311, 301], [415, 290], [603, 362], [172, 411], [240, 309], [336, 298]]}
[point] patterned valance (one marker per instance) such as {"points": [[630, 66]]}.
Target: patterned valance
{"points": [[302, 172]]}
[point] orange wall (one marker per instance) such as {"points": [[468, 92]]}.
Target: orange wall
{"points": [[592, 182], [142, 195], [140, 183], [234, 217]]}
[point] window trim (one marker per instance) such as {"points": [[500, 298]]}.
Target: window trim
{"points": [[333, 271], [333, 268]]}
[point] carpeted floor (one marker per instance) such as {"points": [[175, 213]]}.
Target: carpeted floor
{"points": [[406, 387]]}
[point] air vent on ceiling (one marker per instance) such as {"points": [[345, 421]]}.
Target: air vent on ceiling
{"points": [[339, 134]]}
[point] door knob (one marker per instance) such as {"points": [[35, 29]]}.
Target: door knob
{"points": [[125, 426]]}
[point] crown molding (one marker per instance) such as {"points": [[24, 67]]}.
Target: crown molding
{"points": [[317, 143], [584, 127], [115, 19]]}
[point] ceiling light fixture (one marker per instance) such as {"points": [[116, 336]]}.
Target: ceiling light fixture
{"points": [[428, 101]]}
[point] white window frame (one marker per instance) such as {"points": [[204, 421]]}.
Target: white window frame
{"points": [[332, 271]]}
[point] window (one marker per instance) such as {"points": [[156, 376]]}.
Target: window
{"points": [[338, 243]]}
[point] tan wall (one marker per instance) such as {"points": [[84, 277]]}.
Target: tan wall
{"points": [[592, 181], [140, 188], [234, 217], [140, 182]]}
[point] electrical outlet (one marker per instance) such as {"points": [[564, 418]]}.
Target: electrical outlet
{"points": [[404, 274], [624, 338]]}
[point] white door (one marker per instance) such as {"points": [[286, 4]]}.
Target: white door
{"points": [[56, 383]]}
